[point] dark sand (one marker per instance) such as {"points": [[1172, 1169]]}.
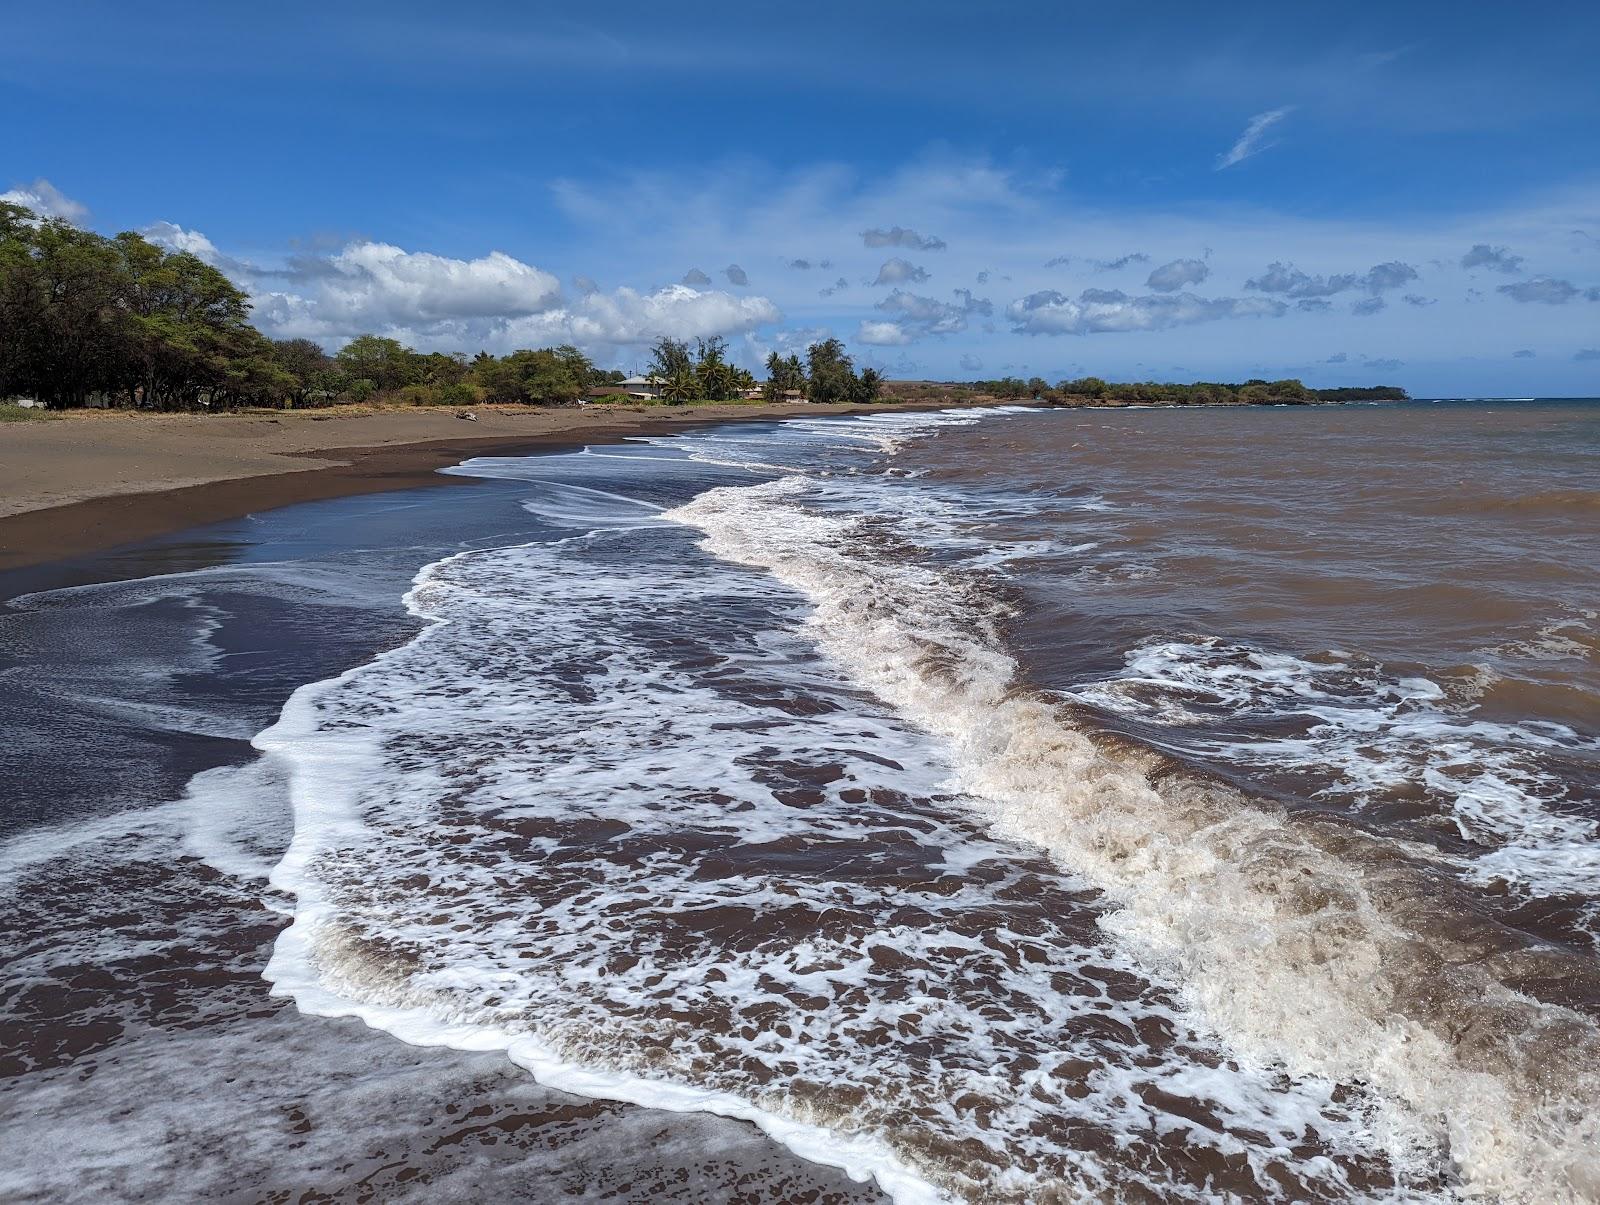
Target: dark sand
{"points": [[95, 481]]}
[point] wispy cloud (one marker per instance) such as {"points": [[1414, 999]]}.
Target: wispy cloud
{"points": [[1251, 141], [46, 200]]}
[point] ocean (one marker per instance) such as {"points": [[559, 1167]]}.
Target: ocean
{"points": [[1009, 804]]}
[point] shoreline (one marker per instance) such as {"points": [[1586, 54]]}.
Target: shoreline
{"points": [[186, 476]]}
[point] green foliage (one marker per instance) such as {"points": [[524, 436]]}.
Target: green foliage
{"points": [[119, 320], [866, 386], [1254, 392], [670, 358], [387, 363], [549, 376], [784, 375], [718, 380], [830, 373]]}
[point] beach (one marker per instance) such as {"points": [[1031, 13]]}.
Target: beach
{"points": [[89, 480]]}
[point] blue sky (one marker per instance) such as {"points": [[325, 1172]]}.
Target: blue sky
{"points": [[1346, 193]]}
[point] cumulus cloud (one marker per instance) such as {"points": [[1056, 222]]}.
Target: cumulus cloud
{"points": [[1338, 357], [983, 278], [899, 236], [630, 317], [837, 286], [970, 363], [883, 334], [1383, 365], [175, 238], [1418, 300], [46, 200], [898, 271], [1291, 282], [1253, 140], [696, 278], [1100, 265], [1498, 259], [367, 285], [1366, 307], [1588, 353], [1541, 288], [1524, 354], [920, 316], [1098, 311], [1392, 275], [494, 301], [1178, 274], [736, 275], [1313, 305]]}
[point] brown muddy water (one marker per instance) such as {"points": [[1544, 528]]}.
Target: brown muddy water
{"points": [[1013, 805]]}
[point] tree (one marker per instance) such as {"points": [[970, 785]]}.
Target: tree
{"points": [[681, 386], [1090, 387], [670, 357], [309, 369], [548, 376], [867, 386], [716, 377], [832, 376], [387, 363]]}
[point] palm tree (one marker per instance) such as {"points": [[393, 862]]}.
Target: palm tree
{"points": [[680, 387]]}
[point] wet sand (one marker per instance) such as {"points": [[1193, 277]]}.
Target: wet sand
{"points": [[96, 480]]}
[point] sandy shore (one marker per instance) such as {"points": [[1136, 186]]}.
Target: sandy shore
{"points": [[98, 480]]}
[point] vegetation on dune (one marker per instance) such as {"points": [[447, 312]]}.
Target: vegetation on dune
{"points": [[1197, 393]]}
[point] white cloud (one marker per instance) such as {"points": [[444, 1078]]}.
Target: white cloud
{"points": [[1292, 282], [629, 317], [46, 200], [917, 315], [1250, 142], [883, 334], [495, 301], [1545, 289], [1178, 274], [1500, 259], [897, 271], [175, 238], [899, 236], [1101, 311], [375, 284]]}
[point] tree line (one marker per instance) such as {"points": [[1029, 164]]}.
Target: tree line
{"points": [[1198, 393], [91, 320]]}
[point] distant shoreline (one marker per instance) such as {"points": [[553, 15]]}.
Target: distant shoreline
{"points": [[103, 479]]}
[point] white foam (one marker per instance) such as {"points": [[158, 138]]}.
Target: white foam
{"points": [[1374, 733], [689, 864], [1293, 951]]}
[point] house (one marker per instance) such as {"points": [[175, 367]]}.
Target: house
{"points": [[642, 388]]}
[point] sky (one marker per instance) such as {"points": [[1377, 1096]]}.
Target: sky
{"points": [[1347, 193]]}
